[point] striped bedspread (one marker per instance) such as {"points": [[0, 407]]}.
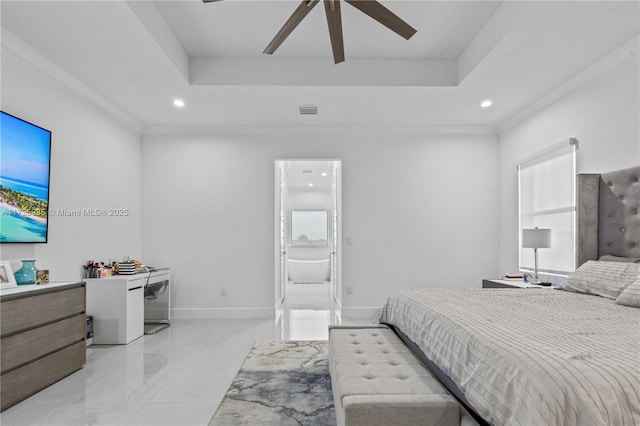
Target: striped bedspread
{"points": [[531, 356]]}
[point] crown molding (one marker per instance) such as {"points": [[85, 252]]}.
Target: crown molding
{"points": [[23, 50], [319, 130], [625, 52]]}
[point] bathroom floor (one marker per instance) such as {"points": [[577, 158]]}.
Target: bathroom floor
{"points": [[308, 311]]}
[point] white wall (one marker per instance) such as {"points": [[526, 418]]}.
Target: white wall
{"points": [[95, 164], [421, 210], [603, 115]]}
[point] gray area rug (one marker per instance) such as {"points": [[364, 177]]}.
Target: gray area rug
{"points": [[280, 383]]}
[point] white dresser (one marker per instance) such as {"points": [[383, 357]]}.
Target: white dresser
{"points": [[117, 306]]}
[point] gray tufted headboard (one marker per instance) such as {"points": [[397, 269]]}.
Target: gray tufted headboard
{"points": [[608, 216]]}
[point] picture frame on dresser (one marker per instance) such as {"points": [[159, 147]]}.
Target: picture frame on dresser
{"points": [[7, 279]]}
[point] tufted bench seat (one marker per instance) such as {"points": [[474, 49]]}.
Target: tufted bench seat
{"points": [[376, 380]]}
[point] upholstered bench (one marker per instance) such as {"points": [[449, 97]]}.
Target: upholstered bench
{"points": [[376, 380]]}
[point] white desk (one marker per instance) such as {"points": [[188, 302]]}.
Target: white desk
{"points": [[117, 306]]}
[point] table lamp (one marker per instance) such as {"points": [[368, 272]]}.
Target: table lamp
{"points": [[536, 238]]}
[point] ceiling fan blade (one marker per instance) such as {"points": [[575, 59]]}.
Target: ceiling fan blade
{"points": [[384, 16], [293, 21], [334, 20]]}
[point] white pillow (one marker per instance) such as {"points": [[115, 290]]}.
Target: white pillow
{"points": [[606, 279], [630, 296]]}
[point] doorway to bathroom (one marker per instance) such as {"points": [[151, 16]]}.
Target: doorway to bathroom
{"points": [[308, 249]]}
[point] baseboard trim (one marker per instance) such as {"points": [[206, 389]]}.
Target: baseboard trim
{"points": [[222, 313], [259, 313]]}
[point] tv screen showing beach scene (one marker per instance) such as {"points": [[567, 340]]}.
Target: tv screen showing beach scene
{"points": [[25, 153]]}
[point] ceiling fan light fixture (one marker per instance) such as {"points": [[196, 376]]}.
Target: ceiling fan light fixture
{"points": [[308, 109], [372, 8]]}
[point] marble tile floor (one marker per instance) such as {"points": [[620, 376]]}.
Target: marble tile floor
{"points": [[175, 377], [308, 312]]}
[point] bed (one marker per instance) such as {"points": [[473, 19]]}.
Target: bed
{"points": [[567, 356]]}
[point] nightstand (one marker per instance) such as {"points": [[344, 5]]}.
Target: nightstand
{"points": [[510, 284]]}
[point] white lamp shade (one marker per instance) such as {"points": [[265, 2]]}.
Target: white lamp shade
{"points": [[536, 238]]}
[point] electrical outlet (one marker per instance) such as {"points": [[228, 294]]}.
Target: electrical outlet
{"points": [[349, 241], [349, 291], [223, 292]]}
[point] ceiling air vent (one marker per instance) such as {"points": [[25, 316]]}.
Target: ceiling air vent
{"points": [[308, 109]]}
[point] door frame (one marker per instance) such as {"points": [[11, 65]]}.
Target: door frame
{"points": [[279, 251], [281, 219]]}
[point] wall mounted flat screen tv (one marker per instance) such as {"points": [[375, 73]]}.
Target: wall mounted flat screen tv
{"points": [[25, 157]]}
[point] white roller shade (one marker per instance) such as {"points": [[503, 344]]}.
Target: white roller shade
{"points": [[547, 200]]}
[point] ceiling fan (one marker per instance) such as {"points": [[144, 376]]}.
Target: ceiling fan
{"points": [[332, 9]]}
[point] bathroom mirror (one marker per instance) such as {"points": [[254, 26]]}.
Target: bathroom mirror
{"points": [[309, 228]]}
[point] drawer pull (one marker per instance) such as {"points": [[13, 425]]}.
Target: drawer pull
{"points": [[135, 288]]}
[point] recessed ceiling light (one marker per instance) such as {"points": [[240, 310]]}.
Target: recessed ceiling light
{"points": [[310, 185], [179, 103], [324, 173], [486, 103]]}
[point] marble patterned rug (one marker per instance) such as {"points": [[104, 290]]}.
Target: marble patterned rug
{"points": [[280, 383]]}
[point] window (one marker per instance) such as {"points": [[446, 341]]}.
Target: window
{"points": [[547, 199], [309, 228]]}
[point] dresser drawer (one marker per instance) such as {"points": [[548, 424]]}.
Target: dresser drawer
{"points": [[21, 348], [22, 382], [28, 312]]}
